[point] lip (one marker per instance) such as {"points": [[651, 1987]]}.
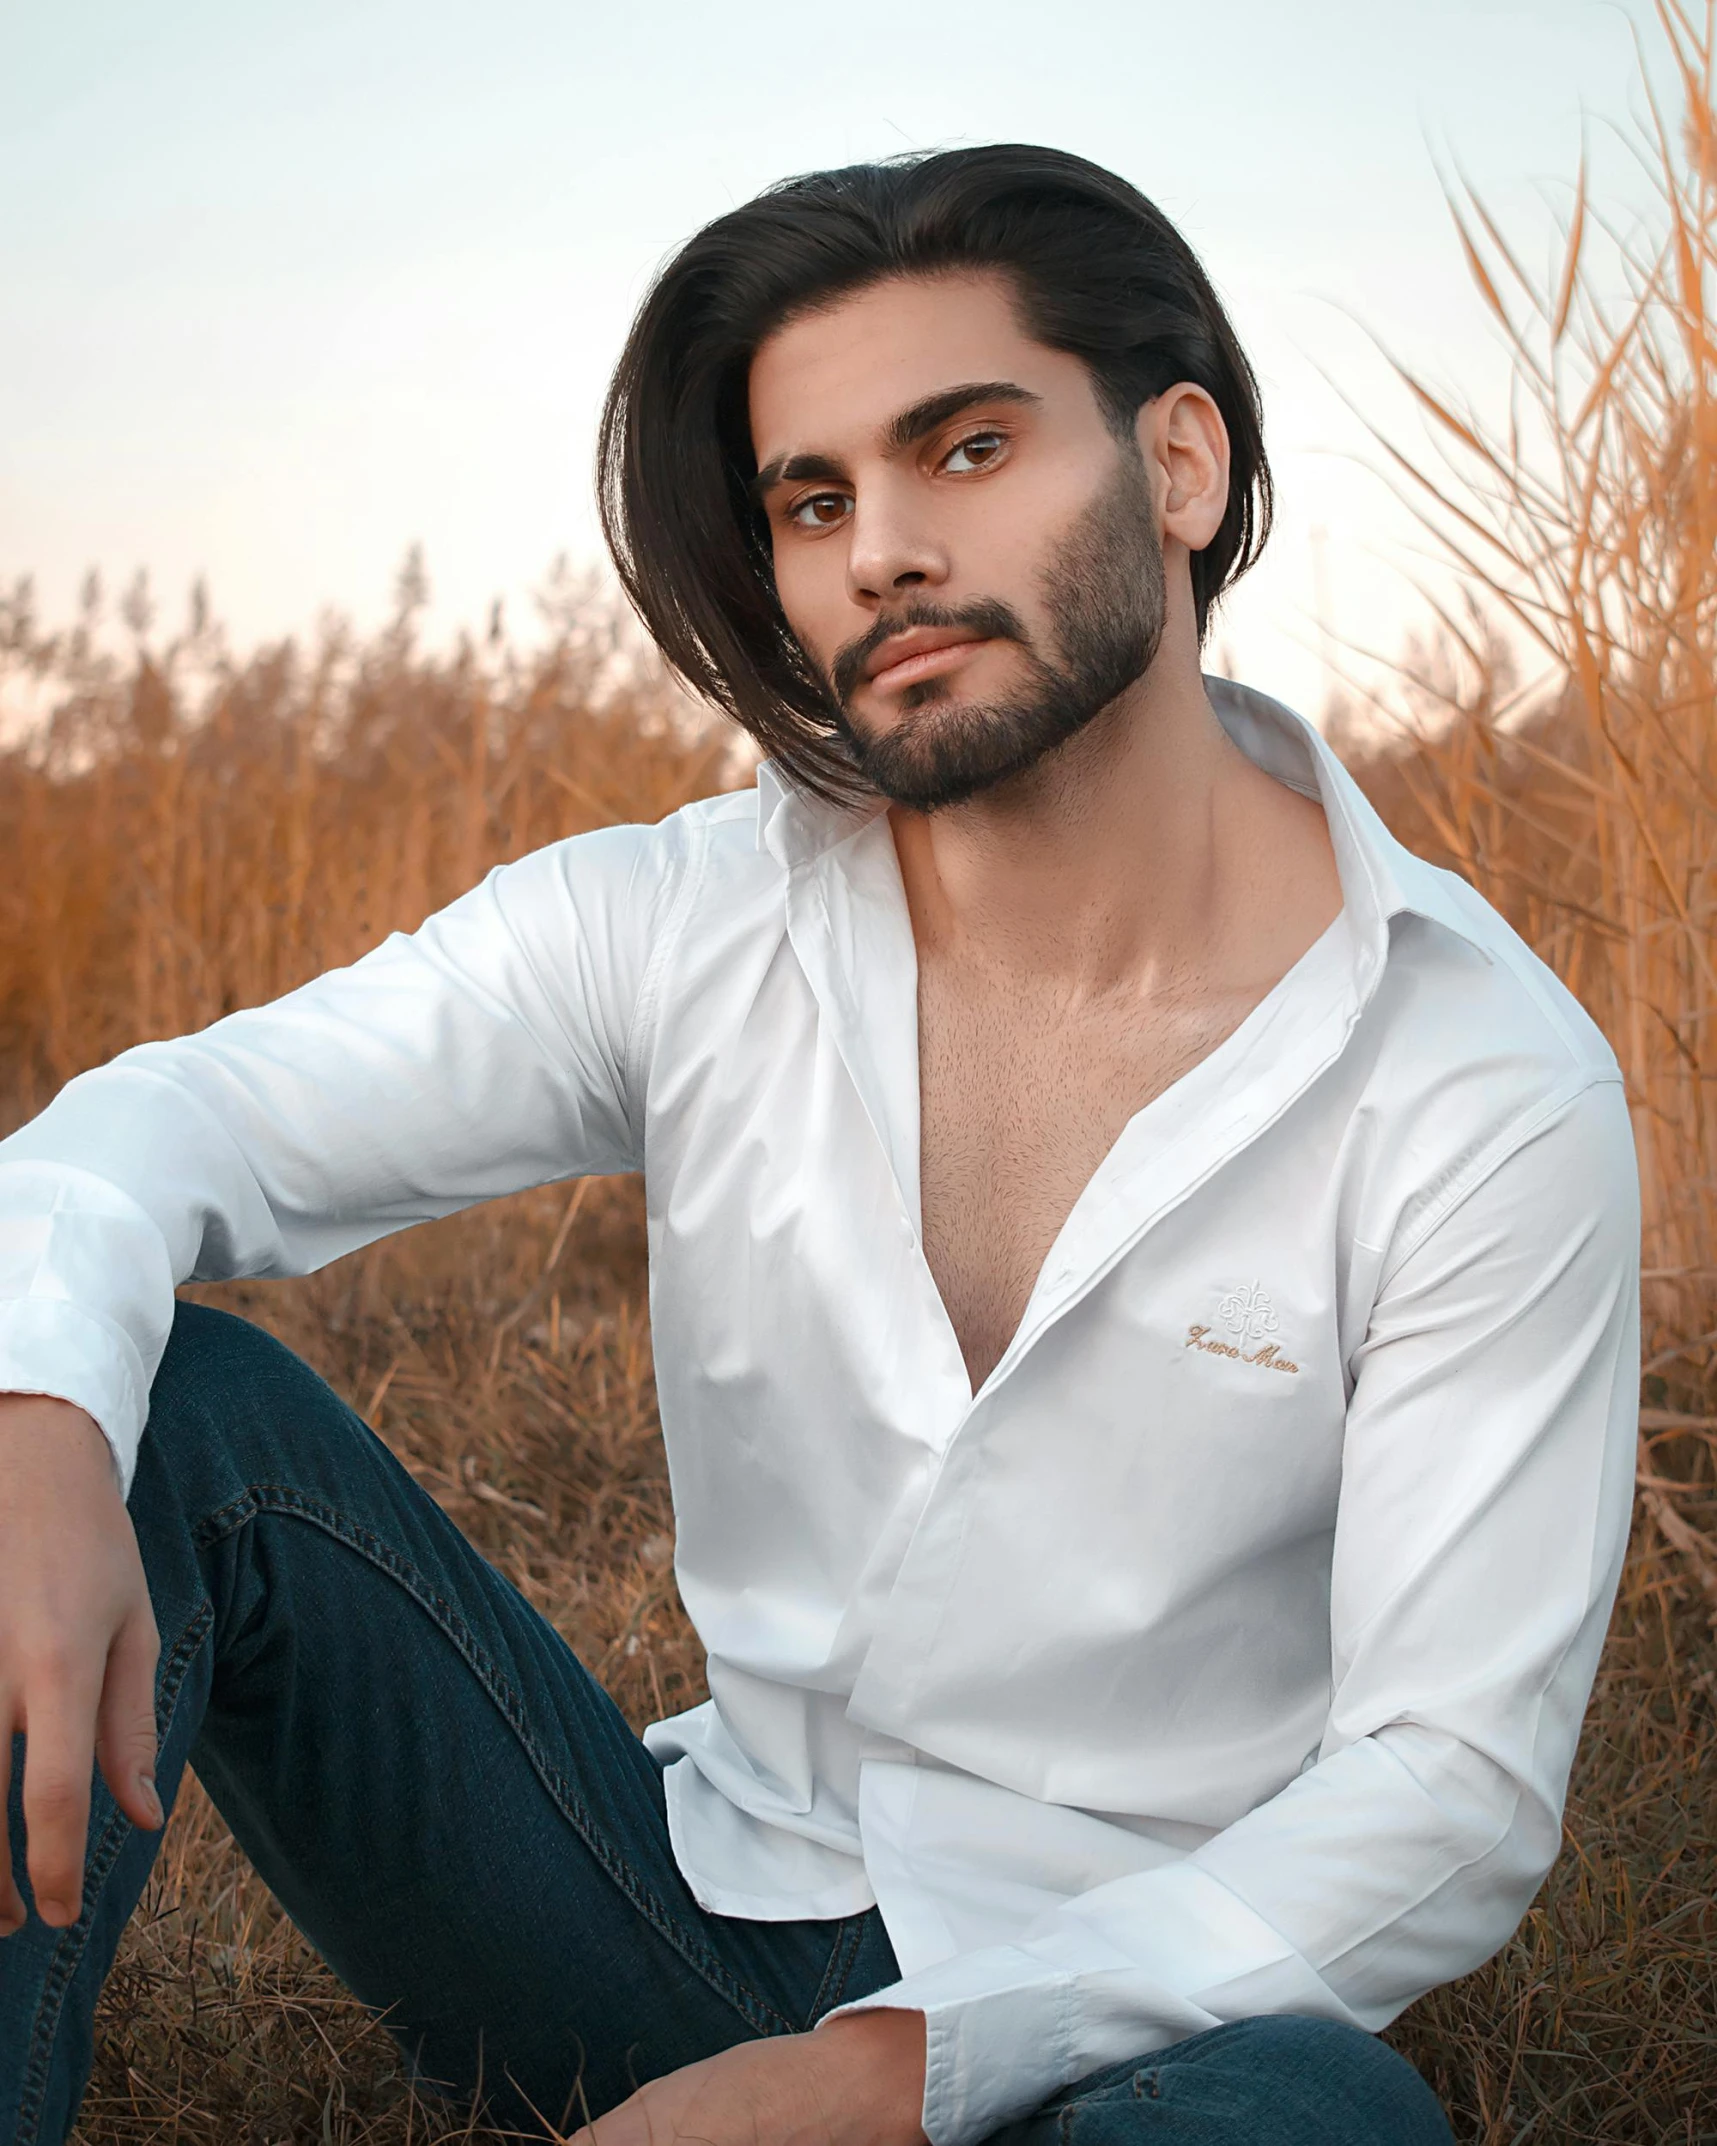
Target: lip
{"points": [[922, 652]]}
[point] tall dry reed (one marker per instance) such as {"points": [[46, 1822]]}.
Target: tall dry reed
{"points": [[1585, 530], [189, 833]]}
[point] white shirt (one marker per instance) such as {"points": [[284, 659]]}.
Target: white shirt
{"points": [[1226, 1652]]}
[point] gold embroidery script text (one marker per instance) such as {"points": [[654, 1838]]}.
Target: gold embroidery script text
{"points": [[1267, 1358]]}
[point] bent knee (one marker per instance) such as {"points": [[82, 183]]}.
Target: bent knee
{"points": [[215, 1361], [227, 1391], [1353, 2085]]}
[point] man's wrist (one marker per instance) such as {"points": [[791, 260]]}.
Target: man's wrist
{"points": [[36, 1422], [889, 2043]]}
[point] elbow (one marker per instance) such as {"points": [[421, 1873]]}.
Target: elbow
{"points": [[1497, 1832]]}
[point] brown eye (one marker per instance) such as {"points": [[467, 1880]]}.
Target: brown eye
{"points": [[823, 510], [978, 450]]}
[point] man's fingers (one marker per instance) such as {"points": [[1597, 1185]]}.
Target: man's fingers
{"points": [[630, 2123], [11, 1900], [72, 1590], [125, 1726], [59, 1755]]}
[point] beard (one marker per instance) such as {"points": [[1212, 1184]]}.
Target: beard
{"points": [[1105, 601]]}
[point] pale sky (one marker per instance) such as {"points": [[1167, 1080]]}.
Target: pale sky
{"points": [[289, 284]]}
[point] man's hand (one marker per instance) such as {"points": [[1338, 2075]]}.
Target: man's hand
{"points": [[77, 1647], [858, 2081]]}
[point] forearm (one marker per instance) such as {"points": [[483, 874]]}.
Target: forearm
{"points": [[858, 2080]]}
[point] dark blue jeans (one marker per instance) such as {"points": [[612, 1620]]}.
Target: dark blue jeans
{"points": [[455, 1814]]}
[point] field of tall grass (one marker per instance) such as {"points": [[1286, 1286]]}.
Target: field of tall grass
{"points": [[192, 831]]}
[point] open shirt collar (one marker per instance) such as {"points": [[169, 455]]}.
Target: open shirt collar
{"points": [[1380, 879]]}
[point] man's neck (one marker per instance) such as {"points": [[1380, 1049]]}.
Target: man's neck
{"points": [[1127, 857]]}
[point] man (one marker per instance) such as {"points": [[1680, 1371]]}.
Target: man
{"points": [[1143, 1279]]}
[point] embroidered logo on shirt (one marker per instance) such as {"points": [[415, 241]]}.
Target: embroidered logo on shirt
{"points": [[1251, 1322]]}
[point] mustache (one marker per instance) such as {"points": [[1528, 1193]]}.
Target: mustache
{"points": [[987, 617]]}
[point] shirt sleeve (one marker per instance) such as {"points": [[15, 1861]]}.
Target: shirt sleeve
{"points": [[489, 1050], [1486, 1490]]}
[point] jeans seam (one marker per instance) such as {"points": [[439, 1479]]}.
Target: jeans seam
{"points": [[281, 1499], [1069, 2109], [838, 1972], [69, 1950]]}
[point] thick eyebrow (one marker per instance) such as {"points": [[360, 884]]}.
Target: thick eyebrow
{"points": [[905, 429], [920, 419], [794, 469]]}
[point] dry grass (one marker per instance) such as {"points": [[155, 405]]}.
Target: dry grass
{"points": [[200, 833]]}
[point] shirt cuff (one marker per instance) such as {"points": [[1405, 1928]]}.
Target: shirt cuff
{"points": [[1115, 1974], [49, 1346], [1002, 2036], [990, 2055]]}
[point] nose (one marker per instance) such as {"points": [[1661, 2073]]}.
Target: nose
{"points": [[891, 551]]}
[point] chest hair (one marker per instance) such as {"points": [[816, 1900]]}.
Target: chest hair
{"points": [[1022, 1092]]}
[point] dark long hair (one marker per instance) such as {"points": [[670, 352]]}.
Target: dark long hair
{"points": [[1100, 272]]}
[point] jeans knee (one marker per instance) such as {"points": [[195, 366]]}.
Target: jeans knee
{"points": [[1344, 2068], [224, 1392], [214, 1363]]}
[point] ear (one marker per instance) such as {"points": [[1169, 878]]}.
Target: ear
{"points": [[1185, 447]]}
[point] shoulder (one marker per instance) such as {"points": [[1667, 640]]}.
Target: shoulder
{"points": [[1464, 999], [575, 931], [1471, 1049], [1468, 946], [631, 874]]}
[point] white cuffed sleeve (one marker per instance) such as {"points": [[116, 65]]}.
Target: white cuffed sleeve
{"points": [[1485, 1497], [494, 1048]]}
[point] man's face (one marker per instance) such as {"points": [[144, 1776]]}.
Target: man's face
{"points": [[962, 545]]}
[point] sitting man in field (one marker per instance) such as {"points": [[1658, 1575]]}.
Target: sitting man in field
{"points": [[1144, 1286]]}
